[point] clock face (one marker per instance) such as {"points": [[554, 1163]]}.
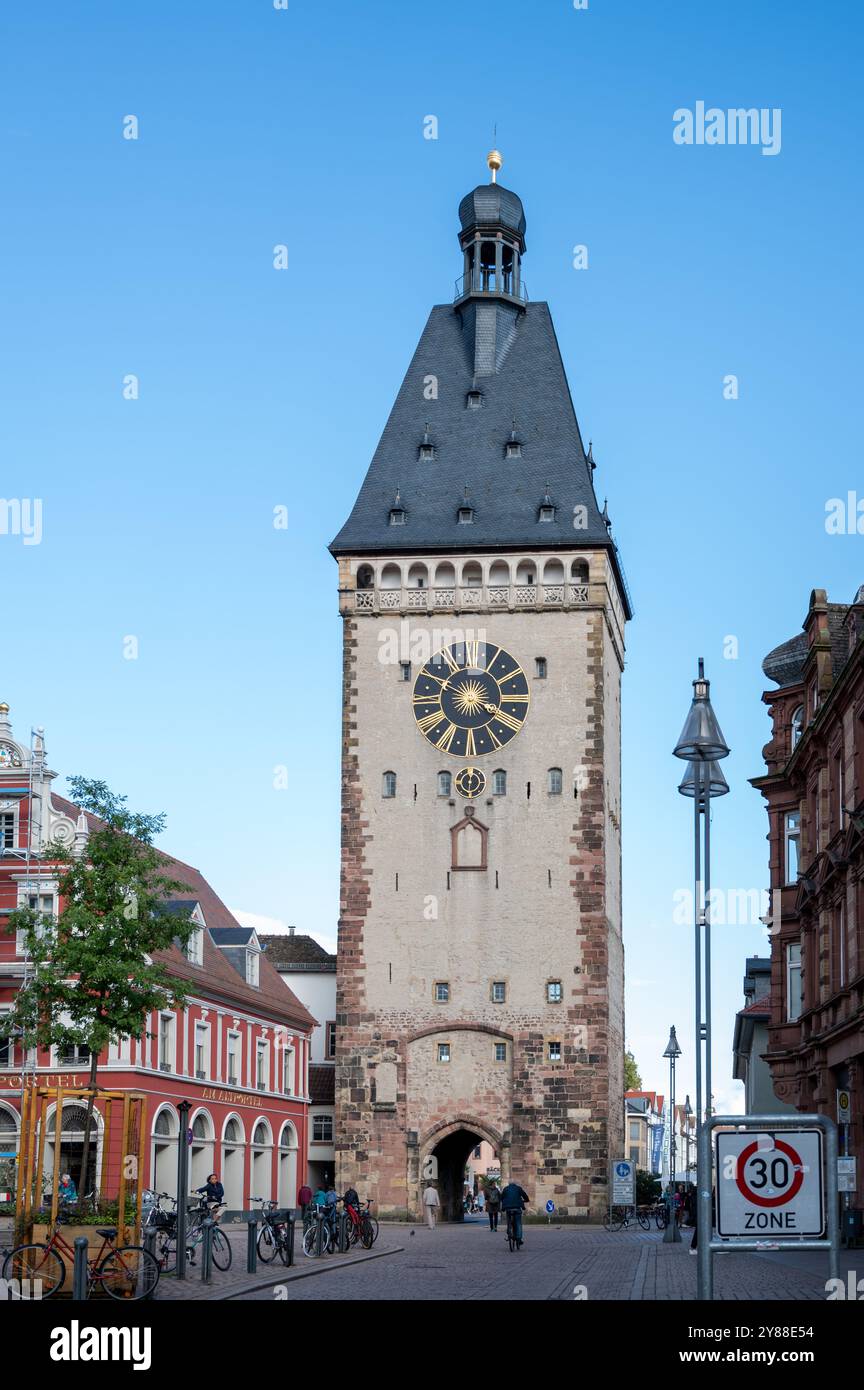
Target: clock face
{"points": [[470, 782], [471, 698]]}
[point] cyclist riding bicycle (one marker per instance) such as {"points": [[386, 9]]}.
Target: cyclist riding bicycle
{"points": [[513, 1199]]}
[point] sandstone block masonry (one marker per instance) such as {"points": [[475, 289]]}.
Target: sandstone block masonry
{"points": [[535, 1067]]}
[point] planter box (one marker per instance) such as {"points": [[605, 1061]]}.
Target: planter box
{"points": [[41, 1236]]}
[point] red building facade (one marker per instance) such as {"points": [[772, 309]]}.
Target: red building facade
{"points": [[238, 1053], [814, 789]]}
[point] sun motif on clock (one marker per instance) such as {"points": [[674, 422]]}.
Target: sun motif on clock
{"points": [[470, 698]]}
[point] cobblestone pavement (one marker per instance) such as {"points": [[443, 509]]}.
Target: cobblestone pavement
{"points": [[562, 1263], [230, 1283]]}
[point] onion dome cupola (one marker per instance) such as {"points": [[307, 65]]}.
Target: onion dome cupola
{"points": [[492, 238]]}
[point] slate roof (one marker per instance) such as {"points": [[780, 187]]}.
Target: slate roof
{"points": [[285, 951], [231, 936], [785, 664], [272, 998], [523, 379], [492, 205]]}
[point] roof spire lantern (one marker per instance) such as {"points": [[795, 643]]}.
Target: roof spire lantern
{"points": [[590, 459], [492, 238]]}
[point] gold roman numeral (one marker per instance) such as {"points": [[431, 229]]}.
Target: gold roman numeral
{"points": [[448, 657], [428, 722], [509, 721], [446, 739], [470, 750], [472, 653]]}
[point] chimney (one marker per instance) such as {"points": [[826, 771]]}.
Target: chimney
{"points": [[291, 931]]}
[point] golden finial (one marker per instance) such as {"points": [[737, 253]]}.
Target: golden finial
{"points": [[494, 159]]}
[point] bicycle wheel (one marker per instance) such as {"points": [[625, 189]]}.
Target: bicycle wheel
{"points": [[367, 1235], [166, 1252], [511, 1232], [32, 1262], [375, 1228], [266, 1244], [282, 1244], [310, 1241], [221, 1250], [614, 1219], [353, 1232], [644, 1220], [128, 1274], [660, 1220]]}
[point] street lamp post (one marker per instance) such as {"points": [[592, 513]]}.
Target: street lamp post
{"points": [[673, 1052], [701, 745], [688, 1117]]}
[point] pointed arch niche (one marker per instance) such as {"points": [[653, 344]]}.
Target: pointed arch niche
{"points": [[469, 844]]}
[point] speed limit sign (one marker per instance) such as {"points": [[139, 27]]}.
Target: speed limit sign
{"points": [[770, 1184]]}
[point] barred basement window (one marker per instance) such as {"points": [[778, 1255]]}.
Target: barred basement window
{"points": [[554, 992]]}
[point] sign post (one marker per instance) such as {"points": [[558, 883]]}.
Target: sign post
{"points": [[622, 1188], [776, 1185]]}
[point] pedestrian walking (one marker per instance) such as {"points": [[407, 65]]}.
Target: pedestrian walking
{"points": [[481, 1201], [304, 1198], [493, 1204], [431, 1203]]}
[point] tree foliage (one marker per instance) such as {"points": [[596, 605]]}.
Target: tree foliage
{"points": [[632, 1079], [93, 980]]}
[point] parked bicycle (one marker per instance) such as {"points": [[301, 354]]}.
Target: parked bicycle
{"points": [[165, 1223], [318, 1236], [619, 1218], [274, 1238], [362, 1225], [127, 1273]]}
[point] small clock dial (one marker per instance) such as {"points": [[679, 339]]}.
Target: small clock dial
{"points": [[470, 782], [471, 698]]}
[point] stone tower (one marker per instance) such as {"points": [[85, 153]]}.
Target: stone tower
{"points": [[480, 962]]}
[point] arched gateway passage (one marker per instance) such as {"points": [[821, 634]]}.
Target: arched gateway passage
{"points": [[447, 1162]]}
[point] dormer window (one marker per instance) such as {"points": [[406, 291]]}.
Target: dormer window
{"points": [[465, 516], [513, 447], [474, 399], [397, 516], [253, 964], [797, 725], [426, 450], [547, 512], [195, 946]]}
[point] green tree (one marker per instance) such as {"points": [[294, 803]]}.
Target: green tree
{"points": [[647, 1188], [93, 980], [632, 1079]]}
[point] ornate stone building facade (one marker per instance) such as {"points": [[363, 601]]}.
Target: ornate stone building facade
{"points": [[480, 961], [814, 790]]}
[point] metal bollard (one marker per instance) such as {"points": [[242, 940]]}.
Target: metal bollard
{"points": [[319, 1233], [251, 1245], [79, 1270], [290, 1238], [207, 1251], [148, 1240], [343, 1232]]}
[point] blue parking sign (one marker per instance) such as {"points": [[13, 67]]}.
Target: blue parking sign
{"points": [[550, 1207]]}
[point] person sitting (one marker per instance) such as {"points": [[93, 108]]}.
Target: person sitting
{"points": [[214, 1195], [67, 1192]]}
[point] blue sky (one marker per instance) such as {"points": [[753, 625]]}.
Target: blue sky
{"points": [[260, 388]]}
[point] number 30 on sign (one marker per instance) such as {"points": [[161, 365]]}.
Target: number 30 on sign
{"points": [[770, 1184]]}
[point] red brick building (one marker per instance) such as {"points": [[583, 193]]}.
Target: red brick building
{"points": [[239, 1052], [814, 790]]}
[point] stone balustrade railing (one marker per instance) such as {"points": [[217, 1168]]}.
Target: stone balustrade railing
{"points": [[463, 597]]}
